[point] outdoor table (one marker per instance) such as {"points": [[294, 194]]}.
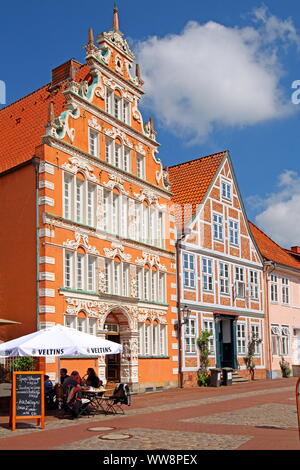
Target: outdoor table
{"points": [[95, 396]]}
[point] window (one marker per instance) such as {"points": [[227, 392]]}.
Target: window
{"points": [[241, 338], [117, 278], [240, 291], [140, 166], [67, 196], [117, 106], [117, 155], [84, 324], [218, 227], [226, 190], [91, 273], [207, 274], [108, 103], [233, 233], [115, 213], [108, 150], [285, 333], [151, 285], [152, 339], [91, 204], [68, 269], [189, 270], [274, 288], [93, 143], [80, 271], [275, 338], [79, 199], [190, 336], [126, 117], [224, 278], [117, 103], [285, 291], [254, 285], [92, 325], [255, 332], [208, 325]]}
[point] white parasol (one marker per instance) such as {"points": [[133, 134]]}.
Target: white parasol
{"points": [[59, 341]]}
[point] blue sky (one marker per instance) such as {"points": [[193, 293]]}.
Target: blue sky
{"points": [[37, 36]]}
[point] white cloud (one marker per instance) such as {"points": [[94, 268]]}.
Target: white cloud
{"points": [[211, 75], [280, 213]]}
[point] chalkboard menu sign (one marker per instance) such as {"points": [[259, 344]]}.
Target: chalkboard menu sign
{"points": [[27, 397]]}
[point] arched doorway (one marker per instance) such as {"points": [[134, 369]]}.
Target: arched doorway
{"points": [[113, 361]]}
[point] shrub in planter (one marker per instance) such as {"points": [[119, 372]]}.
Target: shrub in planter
{"points": [[203, 372], [285, 368], [22, 363]]}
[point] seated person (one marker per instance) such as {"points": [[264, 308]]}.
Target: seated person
{"points": [[92, 380], [48, 390], [72, 393], [63, 375]]}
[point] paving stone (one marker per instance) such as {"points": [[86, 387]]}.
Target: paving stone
{"points": [[149, 439], [269, 415]]}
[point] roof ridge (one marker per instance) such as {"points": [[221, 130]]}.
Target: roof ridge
{"points": [[223, 152], [26, 96]]}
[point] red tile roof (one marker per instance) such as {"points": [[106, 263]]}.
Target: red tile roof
{"points": [[191, 180], [270, 250], [22, 123]]}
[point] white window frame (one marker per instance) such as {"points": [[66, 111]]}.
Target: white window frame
{"points": [[93, 142], [218, 232], [153, 340], [254, 284], [234, 232], [140, 166], [189, 270], [274, 289], [207, 274], [225, 185], [240, 284], [255, 329], [190, 336], [241, 327], [285, 291], [208, 324], [285, 340], [224, 279], [275, 340]]}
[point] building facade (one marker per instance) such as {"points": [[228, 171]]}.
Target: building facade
{"points": [[221, 269], [282, 311], [87, 205]]}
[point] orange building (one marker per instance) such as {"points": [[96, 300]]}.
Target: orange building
{"points": [[220, 270], [86, 237]]}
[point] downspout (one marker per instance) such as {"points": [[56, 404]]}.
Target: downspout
{"points": [[267, 272], [179, 330], [36, 163]]}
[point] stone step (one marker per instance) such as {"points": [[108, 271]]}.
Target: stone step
{"points": [[237, 378]]}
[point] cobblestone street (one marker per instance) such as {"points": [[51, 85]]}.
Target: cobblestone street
{"points": [[261, 415]]}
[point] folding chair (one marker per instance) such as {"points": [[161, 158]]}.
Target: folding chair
{"points": [[121, 397]]}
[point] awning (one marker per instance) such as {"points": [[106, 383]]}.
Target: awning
{"points": [[230, 314], [8, 322]]}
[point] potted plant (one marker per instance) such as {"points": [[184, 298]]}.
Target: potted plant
{"points": [[249, 359], [22, 363], [285, 368], [203, 345]]}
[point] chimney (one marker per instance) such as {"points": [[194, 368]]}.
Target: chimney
{"points": [[296, 249], [64, 72]]}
